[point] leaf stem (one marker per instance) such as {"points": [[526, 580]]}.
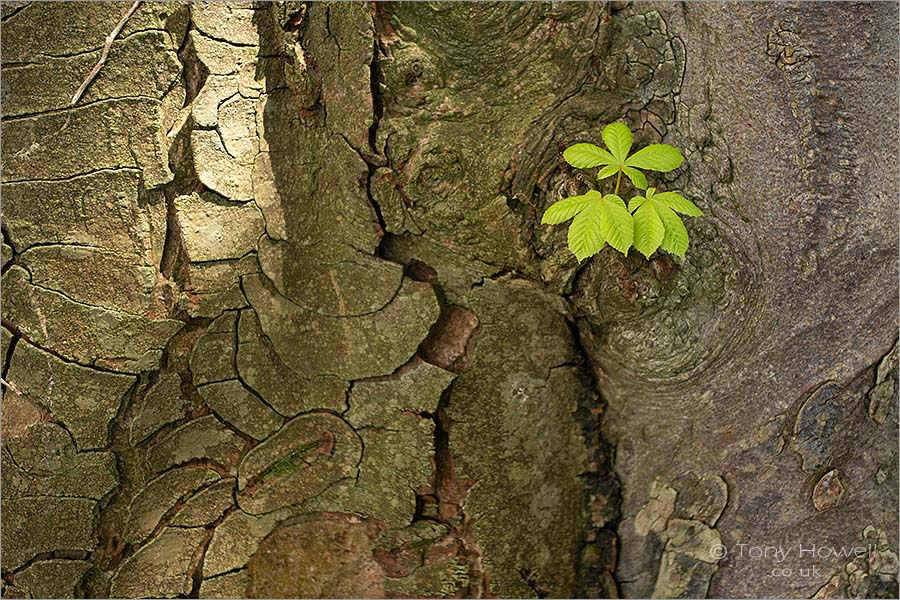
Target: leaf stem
{"points": [[618, 181]]}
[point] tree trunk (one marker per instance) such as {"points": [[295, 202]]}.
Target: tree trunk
{"points": [[280, 318]]}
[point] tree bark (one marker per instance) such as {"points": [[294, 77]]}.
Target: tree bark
{"points": [[280, 319]]}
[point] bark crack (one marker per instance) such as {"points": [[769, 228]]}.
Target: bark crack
{"points": [[67, 110], [596, 559]]}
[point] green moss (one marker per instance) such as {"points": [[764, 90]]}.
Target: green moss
{"points": [[289, 463]]}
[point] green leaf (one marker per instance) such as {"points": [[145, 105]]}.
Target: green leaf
{"points": [[607, 171], [618, 138], [585, 236], [679, 203], [567, 208], [656, 157], [584, 156], [648, 229], [637, 178], [676, 238], [636, 202], [616, 223]]}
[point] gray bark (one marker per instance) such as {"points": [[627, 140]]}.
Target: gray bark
{"points": [[280, 319]]}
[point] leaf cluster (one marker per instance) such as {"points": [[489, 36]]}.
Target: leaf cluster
{"points": [[647, 223]]}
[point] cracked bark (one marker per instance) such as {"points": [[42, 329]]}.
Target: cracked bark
{"points": [[330, 213]]}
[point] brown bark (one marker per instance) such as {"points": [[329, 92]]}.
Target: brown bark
{"points": [[280, 319]]}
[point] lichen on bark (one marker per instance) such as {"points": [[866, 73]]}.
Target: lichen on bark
{"points": [[275, 292]]}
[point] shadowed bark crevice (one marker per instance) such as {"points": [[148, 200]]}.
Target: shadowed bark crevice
{"points": [[304, 240]]}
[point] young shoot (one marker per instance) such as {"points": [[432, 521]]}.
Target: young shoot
{"points": [[648, 223]]}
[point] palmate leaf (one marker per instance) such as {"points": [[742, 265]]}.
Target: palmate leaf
{"points": [[649, 223], [585, 156], [567, 208], [607, 171], [654, 211], [636, 203], [679, 203], [649, 231], [618, 139], [585, 235], [676, 238], [637, 178], [601, 220], [656, 157], [616, 223]]}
